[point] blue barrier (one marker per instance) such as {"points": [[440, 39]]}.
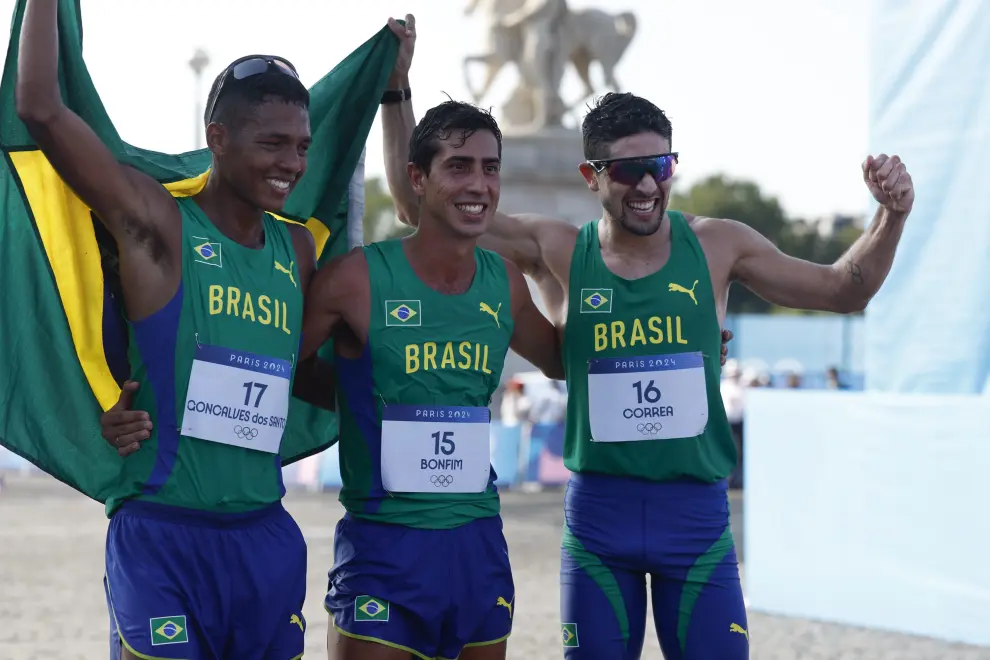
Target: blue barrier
{"points": [[867, 509]]}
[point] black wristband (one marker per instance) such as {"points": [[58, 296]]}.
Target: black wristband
{"points": [[396, 95]]}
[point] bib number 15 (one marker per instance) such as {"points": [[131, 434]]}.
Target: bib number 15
{"points": [[443, 441], [648, 394]]}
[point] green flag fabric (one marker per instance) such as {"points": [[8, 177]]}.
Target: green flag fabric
{"points": [[61, 329]]}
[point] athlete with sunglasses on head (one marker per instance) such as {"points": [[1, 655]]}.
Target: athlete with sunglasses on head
{"points": [[639, 297], [202, 561]]}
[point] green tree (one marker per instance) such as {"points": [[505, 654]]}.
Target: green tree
{"points": [[721, 197]]}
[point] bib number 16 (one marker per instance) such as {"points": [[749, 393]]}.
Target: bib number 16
{"points": [[443, 441], [648, 394]]}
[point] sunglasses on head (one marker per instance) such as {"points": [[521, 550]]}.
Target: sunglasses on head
{"points": [[252, 65], [630, 171]]}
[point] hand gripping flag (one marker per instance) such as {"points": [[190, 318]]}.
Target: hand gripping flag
{"points": [[62, 338]]}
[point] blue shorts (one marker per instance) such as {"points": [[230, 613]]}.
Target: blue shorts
{"points": [[619, 530], [198, 585], [430, 592]]}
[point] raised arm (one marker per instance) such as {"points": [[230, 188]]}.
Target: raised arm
{"points": [[534, 338], [130, 204], [514, 237], [398, 122], [848, 285]]}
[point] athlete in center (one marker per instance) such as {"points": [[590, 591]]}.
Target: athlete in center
{"points": [[639, 297], [422, 327]]}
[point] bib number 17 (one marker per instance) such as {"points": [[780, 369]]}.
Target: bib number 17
{"points": [[443, 441], [648, 394], [249, 387]]}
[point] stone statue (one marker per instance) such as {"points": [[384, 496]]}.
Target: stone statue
{"points": [[540, 37]]}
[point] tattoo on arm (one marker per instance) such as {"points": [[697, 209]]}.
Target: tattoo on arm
{"points": [[855, 272]]}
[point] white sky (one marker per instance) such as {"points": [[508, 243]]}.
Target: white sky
{"points": [[770, 90]]}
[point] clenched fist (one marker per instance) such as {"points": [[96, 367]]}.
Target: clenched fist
{"points": [[889, 181]]}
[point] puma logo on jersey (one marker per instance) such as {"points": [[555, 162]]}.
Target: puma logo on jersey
{"points": [[288, 271], [493, 313], [736, 628], [679, 289], [294, 620]]}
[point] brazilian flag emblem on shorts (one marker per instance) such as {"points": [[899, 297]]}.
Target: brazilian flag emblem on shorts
{"points": [[169, 630], [568, 635], [596, 301], [367, 608]]}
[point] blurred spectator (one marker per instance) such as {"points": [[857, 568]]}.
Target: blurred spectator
{"points": [[755, 378], [549, 404], [832, 381], [515, 404]]}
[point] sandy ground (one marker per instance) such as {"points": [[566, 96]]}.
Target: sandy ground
{"points": [[52, 604]]}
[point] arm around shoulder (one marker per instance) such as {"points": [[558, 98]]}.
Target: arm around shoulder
{"points": [[528, 239], [331, 288], [534, 338]]}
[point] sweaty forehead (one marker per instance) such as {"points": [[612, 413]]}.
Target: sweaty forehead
{"points": [[277, 117], [481, 145], [641, 144]]}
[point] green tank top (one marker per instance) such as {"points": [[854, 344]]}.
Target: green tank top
{"points": [[414, 416], [215, 367], [642, 360]]}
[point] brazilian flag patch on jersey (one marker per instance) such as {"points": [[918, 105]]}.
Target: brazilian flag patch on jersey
{"points": [[596, 301], [403, 312]]}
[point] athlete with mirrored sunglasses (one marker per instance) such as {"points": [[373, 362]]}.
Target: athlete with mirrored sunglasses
{"points": [[640, 297], [202, 560]]}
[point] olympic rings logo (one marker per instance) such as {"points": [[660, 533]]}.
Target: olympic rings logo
{"points": [[649, 428], [441, 480], [245, 432]]}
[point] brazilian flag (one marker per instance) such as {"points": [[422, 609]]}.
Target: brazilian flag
{"points": [[62, 338]]}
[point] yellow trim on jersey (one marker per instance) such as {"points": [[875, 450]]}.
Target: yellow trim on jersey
{"points": [[188, 187]]}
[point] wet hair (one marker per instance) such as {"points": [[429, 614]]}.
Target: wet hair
{"points": [[442, 121], [616, 116], [241, 96]]}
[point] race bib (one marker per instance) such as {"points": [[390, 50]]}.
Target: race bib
{"points": [[237, 398], [655, 397], [435, 449]]}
